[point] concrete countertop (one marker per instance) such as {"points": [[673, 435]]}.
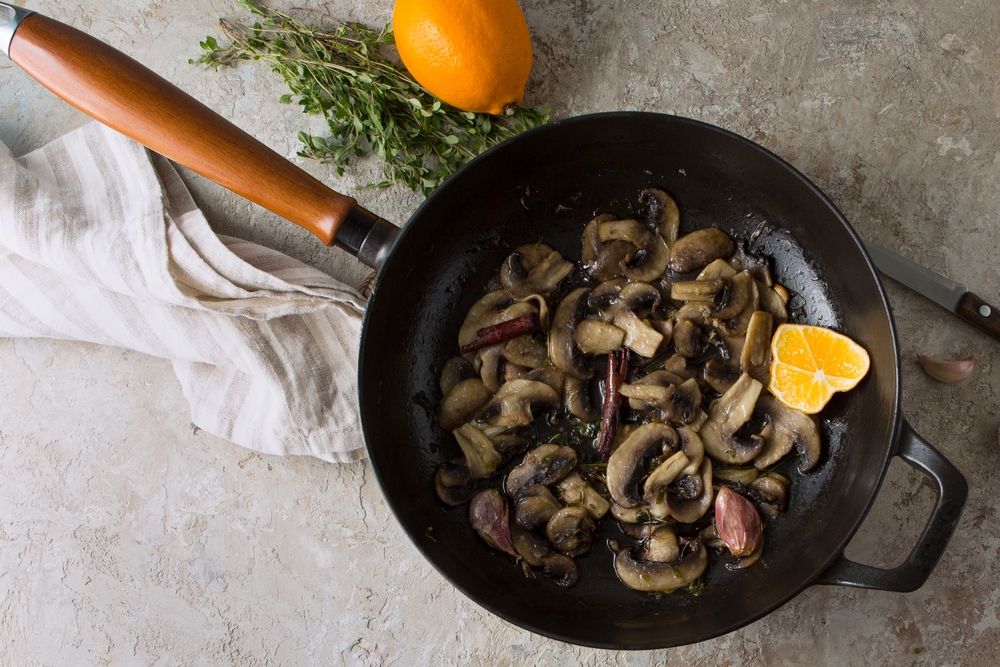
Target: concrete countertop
{"points": [[128, 537]]}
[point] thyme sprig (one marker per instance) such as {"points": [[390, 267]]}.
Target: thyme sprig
{"points": [[371, 104]]}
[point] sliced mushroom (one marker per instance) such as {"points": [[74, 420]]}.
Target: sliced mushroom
{"points": [[654, 490], [514, 372], [650, 391], [603, 261], [742, 476], [740, 291], [756, 356], [709, 535], [489, 517], [603, 298], [689, 510], [561, 569], [693, 447], [526, 351], [631, 515], [481, 456], [677, 365], [596, 337], [529, 546], [719, 376], [454, 371], [726, 416], [545, 464], [627, 464], [534, 269], [662, 213], [737, 325], [649, 262], [535, 506], [788, 428], [661, 545], [698, 249], [770, 490], [702, 291], [639, 297], [720, 268], [562, 347], [516, 403], [508, 445], [734, 349], [689, 341], [641, 338], [577, 399], [571, 530], [697, 313], [747, 561], [491, 366], [453, 483], [772, 302], [684, 402], [653, 576], [488, 310], [622, 230], [574, 490], [459, 404], [665, 328], [549, 375]]}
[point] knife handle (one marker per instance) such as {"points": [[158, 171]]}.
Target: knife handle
{"points": [[977, 312]]}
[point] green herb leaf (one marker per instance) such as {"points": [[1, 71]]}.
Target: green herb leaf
{"points": [[348, 74]]}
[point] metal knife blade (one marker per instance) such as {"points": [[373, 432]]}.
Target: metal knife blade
{"points": [[941, 290]]}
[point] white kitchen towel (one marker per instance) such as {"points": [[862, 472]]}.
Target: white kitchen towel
{"points": [[100, 241]]}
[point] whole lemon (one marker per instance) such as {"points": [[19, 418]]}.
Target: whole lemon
{"points": [[473, 54]]}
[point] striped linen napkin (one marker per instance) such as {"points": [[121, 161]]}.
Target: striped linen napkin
{"points": [[100, 241]]}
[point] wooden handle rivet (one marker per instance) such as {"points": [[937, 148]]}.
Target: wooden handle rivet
{"points": [[985, 310]]}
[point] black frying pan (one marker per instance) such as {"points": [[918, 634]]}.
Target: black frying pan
{"points": [[544, 185]]}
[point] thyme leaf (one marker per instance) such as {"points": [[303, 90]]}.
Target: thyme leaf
{"points": [[348, 74]]}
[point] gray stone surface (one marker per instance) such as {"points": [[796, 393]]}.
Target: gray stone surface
{"points": [[125, 537]]}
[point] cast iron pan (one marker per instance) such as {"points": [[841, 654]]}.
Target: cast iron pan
{"points": [[544, 185]]}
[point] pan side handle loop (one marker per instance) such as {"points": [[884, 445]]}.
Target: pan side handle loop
{"points": [[952, 490]]}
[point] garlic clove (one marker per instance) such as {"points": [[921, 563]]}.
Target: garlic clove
{"points": [[947, 371], [737, 522]]}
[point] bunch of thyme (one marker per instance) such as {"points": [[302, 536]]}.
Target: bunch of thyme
{"points": [[371, 104]]}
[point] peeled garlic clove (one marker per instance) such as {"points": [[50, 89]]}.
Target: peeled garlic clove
{"points": [[737, 522], [947, 370]]}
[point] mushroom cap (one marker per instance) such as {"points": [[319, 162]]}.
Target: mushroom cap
{"points": [[662, 213], [653, 576], [562, 347], [627, 464], [571, 530], [545, 464], [461, 403], [699, 248], [789, 428], [534, 269], [726, 416], [535, 506]]}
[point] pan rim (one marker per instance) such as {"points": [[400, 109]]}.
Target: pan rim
{"points": [[896, 416]]}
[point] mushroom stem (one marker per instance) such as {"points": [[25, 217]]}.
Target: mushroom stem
{"points": [[502, 332], [617, 370]]}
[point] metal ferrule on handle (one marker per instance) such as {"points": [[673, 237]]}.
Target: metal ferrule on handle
{"points": [[11, 18]]}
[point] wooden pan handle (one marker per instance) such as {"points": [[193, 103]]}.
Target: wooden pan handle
{"points": [[119, 92]]}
